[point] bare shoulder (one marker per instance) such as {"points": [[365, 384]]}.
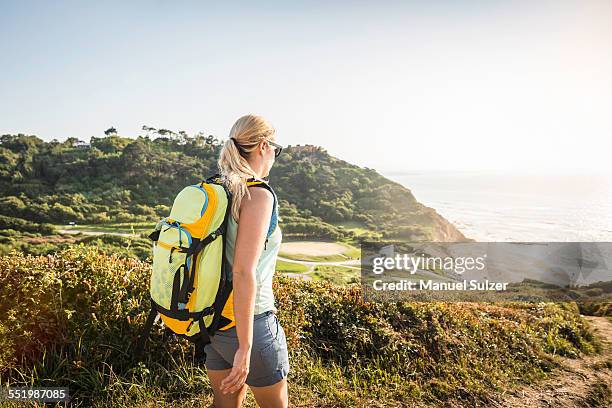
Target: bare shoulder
{"points": [[261, 198]]}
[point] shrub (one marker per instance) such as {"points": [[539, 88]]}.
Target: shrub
{"points": [[70, 318], [22, 225]]}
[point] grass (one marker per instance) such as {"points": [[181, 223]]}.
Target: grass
{"points": [[599, 395], [352, 252], [603, 308], [72, 317], [290, 267], [338, 275], [359, 229]]}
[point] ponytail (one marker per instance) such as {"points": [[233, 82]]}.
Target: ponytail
{"points": [[234, 168]]}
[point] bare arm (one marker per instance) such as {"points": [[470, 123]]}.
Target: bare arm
{"points": [[252, 228]]}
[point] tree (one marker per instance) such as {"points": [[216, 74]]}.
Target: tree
{"points": [[150, 130], [71, 141]]}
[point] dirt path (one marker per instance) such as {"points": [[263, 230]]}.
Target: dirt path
{"points": [[85, 232], [312, 264], [582, 382]]}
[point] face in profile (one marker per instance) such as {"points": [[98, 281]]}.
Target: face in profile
{"points": [[269, 155]]}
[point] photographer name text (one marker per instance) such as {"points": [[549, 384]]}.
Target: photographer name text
{"points": [[409, 285]]}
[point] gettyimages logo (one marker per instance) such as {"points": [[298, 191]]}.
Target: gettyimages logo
{"points": [[388, 259]]}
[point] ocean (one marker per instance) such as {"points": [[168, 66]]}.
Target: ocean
{"points": [[502, 207]]}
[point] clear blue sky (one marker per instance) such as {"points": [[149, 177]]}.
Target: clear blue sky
{"points": [[471, 85]]}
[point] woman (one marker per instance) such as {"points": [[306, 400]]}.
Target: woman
{"points": [[254, 351]]}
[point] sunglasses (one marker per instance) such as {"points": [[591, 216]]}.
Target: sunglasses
{"points": [[277, 148]]}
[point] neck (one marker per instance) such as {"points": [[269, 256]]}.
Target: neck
{"points": [[258, 168]]}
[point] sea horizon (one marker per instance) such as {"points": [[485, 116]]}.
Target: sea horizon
{"points": [[517, 206]]}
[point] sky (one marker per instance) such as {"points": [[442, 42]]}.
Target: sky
{"points": [[395, 86]]}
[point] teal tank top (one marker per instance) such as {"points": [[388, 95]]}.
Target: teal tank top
{"points": [[264, 297]]}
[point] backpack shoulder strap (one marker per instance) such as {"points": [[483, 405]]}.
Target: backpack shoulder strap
{"points": [[253, 182], [214, 179]]}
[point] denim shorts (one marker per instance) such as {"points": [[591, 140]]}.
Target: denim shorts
{"points": [[269, 357]]}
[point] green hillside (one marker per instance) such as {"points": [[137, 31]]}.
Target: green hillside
{"points": [[116, 180]]}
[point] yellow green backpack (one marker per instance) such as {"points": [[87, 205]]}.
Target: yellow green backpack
{"points": [[191, 284]]}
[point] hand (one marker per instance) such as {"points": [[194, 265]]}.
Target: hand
{"points": [[240, 369]]}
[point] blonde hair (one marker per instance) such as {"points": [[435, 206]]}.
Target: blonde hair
{"points": [[244, 137]]}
